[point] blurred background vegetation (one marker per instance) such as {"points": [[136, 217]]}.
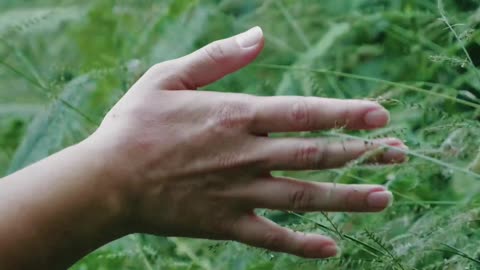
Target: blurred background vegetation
{"points": [[63, 64]]}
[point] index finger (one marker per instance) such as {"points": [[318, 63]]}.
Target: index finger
{"points": [[291, 114]]}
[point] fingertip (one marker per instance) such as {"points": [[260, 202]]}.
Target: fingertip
{"points": [[377, 117], [217, 59], [377, 188], [397, 153], [250, 38], [393, 142], [379, 200], [330, 251], [323, 248], [251, 46]]}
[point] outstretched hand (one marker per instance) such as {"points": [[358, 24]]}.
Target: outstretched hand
{"points": [[196, 164]]}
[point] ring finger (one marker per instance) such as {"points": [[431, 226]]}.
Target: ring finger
{"points": [[295, 195]]}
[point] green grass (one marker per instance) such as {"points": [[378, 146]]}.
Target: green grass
{"points": [[62, 66]]}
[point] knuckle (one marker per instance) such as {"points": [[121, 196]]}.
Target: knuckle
{"points": [[233, 160], [168, 75], [352, 201], [301, 198], [229, 161], [344, 118], [300, 114], [233, 114], [273, 240], [215, 52], [308, 155], [160, 68], [225, 227]]}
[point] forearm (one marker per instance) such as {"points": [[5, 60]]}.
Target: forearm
{"points": [[57, 210]]}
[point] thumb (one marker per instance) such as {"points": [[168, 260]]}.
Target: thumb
{"points": [[213, 61]]}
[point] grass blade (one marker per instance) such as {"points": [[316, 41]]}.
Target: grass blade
{"points": [[370, 79]]}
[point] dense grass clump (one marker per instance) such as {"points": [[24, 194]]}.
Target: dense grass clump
{"points": [[62, 66]]}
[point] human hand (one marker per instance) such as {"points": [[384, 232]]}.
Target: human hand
{"points": [[196, 163]]}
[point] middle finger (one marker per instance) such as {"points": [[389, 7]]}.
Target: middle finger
{"points": [[315, 154]]}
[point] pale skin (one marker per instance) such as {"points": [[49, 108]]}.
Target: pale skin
{"points": [[171, 161]]}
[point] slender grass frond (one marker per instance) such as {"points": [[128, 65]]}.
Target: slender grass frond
{"points": [[381, 244], [460, 253], [370, 79], [46, 91], [412, 153], [454, 32], [296, 27], [138, 243], [365, 246]]}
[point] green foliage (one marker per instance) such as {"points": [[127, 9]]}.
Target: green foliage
{"points": [[63, 65], [59, 125]]}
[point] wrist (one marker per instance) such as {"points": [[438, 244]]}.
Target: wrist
{"points": [[109, 188], [69, 197]]}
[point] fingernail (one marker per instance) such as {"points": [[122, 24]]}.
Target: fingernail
{"points": [[329, 251], [250, 38], [377, 117], [379, 199]]}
